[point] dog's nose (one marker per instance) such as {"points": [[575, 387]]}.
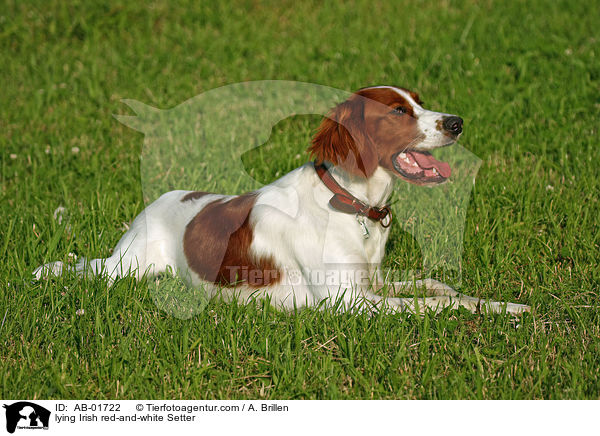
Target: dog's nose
{"points": [[453, 124]]}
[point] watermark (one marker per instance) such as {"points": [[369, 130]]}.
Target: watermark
{"points": [[332, 275], [203, 144]]}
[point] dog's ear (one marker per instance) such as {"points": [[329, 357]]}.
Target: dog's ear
{"points": [[342, 139]]}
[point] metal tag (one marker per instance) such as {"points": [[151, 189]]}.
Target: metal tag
{"points": [[363, 225]]}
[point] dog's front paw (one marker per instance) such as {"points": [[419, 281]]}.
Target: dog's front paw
{"points": [[517, 309], [500, 307]]}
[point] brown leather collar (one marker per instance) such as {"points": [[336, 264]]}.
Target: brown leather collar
{"points": [[348, 203]]}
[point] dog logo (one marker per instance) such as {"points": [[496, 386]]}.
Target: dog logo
{"points": [[26, 415]]}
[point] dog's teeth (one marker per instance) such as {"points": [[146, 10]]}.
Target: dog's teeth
{"points": [[435, 172], [402, 155], [414, 164]]}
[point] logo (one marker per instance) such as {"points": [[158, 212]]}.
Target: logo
{"points": [[26, 415]]}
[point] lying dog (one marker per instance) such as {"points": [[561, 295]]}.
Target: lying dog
{"points": [[330, 216]]}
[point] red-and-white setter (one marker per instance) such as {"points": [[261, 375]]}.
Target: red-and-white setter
{"points": [[317, 233]]}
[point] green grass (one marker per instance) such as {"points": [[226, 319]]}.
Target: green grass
{"points": [[524, 75]]}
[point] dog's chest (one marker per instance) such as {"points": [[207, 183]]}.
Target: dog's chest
{"points": [[374, 237]]}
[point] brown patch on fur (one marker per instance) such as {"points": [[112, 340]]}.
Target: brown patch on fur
{"points": [[342, 139], [217, 242], [439, 125], [194, 195], [365, 131], [388, 97]]}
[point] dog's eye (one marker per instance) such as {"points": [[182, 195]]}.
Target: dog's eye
{"points": [[400, 110]]}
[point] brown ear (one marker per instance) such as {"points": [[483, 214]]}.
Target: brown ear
{"points": [[342, 139]]}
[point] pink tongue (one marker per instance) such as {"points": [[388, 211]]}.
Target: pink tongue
{"points": [[427, 161]]}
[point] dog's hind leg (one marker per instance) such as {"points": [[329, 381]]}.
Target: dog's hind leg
{"points": [[146, 248], [50, 269], [128, 258]]}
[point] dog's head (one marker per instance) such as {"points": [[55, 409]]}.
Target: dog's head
{"points": [[386, 126]]}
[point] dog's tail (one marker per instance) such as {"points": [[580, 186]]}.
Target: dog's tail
{"points": [[58, 268]]}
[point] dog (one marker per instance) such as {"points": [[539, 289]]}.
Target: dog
{"points": [[316, 234]]}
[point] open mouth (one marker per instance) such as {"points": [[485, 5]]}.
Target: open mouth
{"points": [[420, 167]]}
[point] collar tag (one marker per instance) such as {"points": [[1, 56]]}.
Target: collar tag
{"points": [[361, 221]]}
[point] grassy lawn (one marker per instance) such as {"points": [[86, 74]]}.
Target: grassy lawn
{"points": [[524, 75]]}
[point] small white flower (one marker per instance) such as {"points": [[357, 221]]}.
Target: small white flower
{"points": [[75, 150], [549, 188], [58, 214], [13, 156], [80, 312]]}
